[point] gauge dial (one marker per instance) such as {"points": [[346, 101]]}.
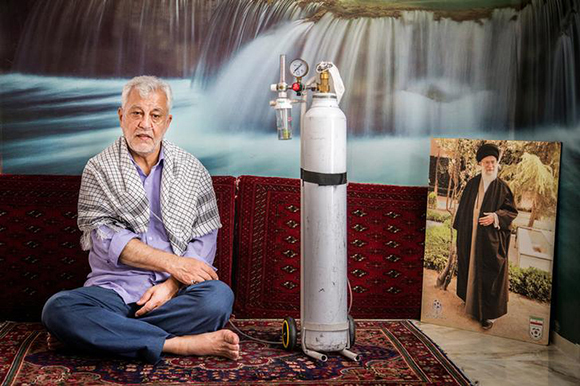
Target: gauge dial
{"points": [[298, 68]]}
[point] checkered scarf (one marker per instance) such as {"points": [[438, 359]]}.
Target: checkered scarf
{"points": [[112, 194]]}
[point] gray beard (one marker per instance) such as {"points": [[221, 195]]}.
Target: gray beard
{"points": [[488, 178]]}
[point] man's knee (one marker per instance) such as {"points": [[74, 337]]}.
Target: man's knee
{"points": [[218, 298], [56, 308], [222, 296]]}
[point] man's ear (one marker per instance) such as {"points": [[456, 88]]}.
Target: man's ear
{"points": [[120, 113]]}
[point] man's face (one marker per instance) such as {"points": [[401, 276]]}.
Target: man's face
{"points": [[144, 121], [488, 164]]}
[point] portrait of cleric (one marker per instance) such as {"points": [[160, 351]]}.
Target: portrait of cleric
{"points": [[490, 236]]}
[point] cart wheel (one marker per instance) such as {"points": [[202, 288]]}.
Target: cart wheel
{"points": [[289, 333], [351, 330]]}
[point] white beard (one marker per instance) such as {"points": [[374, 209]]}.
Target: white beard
{"points": [[488, 178]]}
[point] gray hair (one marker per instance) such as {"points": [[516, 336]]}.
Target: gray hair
{"points": [[145, 85]]}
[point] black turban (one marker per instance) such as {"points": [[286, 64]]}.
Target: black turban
{"points": [[487, 149]]}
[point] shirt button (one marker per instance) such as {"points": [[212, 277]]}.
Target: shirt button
{"points": [[150, 238]]}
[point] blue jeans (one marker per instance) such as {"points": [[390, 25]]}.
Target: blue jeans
{"points": [[95, 319]]}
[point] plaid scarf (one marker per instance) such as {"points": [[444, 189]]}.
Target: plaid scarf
{"points": [[112, 194]]}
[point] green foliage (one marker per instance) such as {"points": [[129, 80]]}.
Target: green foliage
{"points": [[462, 164], [531, 282], [432, 201], [532, 175], [433, 215], [548, 152], [437, 246]]}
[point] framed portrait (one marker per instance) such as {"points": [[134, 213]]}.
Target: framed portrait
{"points": [[491, 228]]}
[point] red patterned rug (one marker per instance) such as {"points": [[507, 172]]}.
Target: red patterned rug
{"points": [[386, 234], [393, 352], [39, 237]]}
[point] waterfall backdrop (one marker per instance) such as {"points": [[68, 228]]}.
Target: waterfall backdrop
{"points": [[413, 69]]}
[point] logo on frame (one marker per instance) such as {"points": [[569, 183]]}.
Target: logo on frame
{"points": [[536, 328]]}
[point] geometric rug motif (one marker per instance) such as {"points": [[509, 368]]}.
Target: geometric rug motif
{"points": [[39, 240], [385, 244], [393, 352], [225, 191]]}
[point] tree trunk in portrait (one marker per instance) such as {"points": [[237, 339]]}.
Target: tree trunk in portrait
{"points": [[451, 178], [454, 193], [436, 187], [446, 274], [534, 213]]}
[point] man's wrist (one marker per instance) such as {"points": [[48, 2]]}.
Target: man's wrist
{"points": [[138, 254], [173, 284], [172, 264]]}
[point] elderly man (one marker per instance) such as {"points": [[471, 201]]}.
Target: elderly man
{"points": [[149, 217], [484, 216]]}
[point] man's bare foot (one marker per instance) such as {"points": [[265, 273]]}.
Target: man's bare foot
{"points": [[224, 343], [53, 343]]}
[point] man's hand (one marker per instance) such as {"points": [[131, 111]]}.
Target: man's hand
{"points": [[186, 270], [487, 220], [189, 270], [157, 296]]}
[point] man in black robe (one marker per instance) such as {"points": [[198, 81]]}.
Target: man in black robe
{"points": [[483, 220]]}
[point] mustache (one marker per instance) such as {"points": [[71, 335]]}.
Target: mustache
{"points": [[150, 135]]}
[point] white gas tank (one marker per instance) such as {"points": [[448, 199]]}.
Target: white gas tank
{"points": [[323, 231], [323, 137]]}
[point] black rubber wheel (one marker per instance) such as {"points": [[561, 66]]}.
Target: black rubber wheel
{"points": [[289, 333], [351, 330]]}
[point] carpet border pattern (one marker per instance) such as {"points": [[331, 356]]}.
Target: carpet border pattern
{"points": [[404, 356]]}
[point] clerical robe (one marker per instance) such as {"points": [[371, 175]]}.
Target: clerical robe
{"points": [[482, 265]]}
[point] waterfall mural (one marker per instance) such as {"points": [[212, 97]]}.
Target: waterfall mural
{"points": [[498, 69], [113, 38]]}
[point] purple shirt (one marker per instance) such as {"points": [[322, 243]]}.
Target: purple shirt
{"points": [[130, 282]]}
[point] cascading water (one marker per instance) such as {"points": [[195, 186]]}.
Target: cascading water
{"points": [[411, 74], [418, 73], [549, 50], [406, 75], [110, 38], [414, 73], [237, 22]]}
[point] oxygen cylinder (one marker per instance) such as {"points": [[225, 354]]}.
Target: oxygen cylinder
{"points": [[323, 295]]}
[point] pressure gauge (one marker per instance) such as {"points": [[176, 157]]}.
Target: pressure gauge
{"points": [[298, 68]]}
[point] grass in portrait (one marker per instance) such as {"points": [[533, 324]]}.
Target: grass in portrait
{"points": [[489, 246]]}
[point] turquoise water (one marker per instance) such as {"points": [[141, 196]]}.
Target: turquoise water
{"points": [[55, 124]]}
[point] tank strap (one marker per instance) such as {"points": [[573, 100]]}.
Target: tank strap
{"points": [[323, 179]]}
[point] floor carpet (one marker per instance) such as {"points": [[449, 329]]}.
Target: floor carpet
{"points": [[393, 352]]}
